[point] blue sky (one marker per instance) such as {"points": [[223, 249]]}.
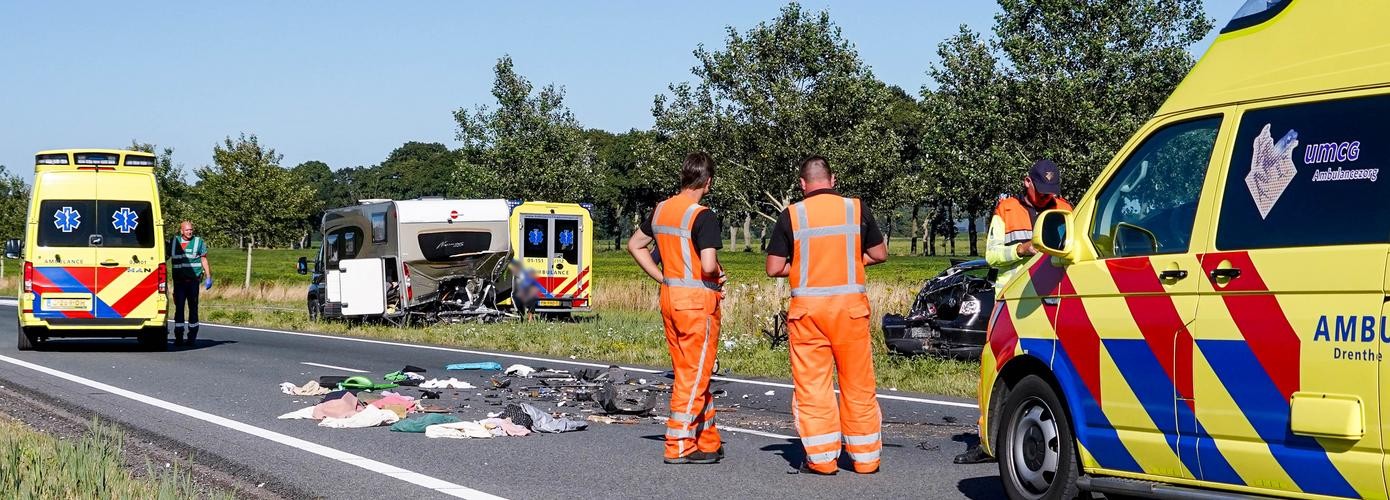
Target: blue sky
{"points": [[347, 82]]}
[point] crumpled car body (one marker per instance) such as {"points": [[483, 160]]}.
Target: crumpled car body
{"points": [[950, 315]]}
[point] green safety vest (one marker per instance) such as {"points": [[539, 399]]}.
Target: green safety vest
{"points": [[187, 259]]}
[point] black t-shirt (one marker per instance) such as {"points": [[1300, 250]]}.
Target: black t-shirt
{"points": [[782, 242], [707, 232]]}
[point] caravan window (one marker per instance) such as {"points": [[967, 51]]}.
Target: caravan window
{"points": [[342, 244], [331, 249], [443, 246], [379, 227]]}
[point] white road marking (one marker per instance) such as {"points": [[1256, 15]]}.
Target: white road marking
{"points": [[940, 402], [910, 399], [9, 302], [354, 370], [440, 485]]}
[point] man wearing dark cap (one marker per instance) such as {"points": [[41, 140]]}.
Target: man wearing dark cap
{"points": [[1010, 242], [1011, 229]]}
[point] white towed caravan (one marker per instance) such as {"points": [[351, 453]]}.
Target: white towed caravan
{"points": [[425, 259]]}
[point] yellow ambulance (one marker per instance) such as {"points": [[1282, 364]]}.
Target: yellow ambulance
{"points": [[93, 258], [1210, 320], [553, 242]]}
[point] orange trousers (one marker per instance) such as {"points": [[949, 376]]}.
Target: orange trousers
{"points": [[832, 336], [693, 337]]}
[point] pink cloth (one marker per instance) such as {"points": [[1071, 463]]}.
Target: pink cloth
{"points": [[343, 407]]}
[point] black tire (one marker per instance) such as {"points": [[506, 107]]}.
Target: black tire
{"points": [[1036, 446], [154, 339], [27, 339]]}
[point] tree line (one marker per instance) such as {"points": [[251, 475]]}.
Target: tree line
{"points": [[1068, 80]]}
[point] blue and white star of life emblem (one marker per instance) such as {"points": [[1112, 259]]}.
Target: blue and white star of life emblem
{"points": [[535, 237], [125, 220], [67, 220], [566, 238]]}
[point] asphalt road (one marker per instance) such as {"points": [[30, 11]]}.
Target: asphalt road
{"points": [[221, 397]]}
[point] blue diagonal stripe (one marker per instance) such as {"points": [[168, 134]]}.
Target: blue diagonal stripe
{"points": [[1091, 426], [1267, 410]]}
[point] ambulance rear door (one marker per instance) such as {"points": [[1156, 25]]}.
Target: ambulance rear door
{"points": [[129, 253], [62, 248]]}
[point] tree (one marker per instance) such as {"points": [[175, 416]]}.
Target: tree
{"points": [[14, 201], [529, 147], [623, 192], [418, 169], [1090, 72], [173, 189], [328, 193], [246, 195], [781, 91]]}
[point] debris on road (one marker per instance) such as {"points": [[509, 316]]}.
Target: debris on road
{"points": [[519, 370], [418, 424], [370, 416], [544, 422], [361, 383], [770, 393], [458, 430], [451, 383], [310, 388], [486, 365]]}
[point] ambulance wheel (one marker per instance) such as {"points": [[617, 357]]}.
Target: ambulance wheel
{"points": [[1036, 450], [154, 339], [28, 338]]}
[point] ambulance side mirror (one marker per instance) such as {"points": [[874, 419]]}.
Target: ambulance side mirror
{"points": [[13, 248], [1051, 235], [303, 266]]}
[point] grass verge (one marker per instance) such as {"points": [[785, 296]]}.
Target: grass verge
{"points": [[36, 465]]}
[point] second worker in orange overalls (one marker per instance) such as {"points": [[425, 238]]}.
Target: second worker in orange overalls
{"points": [[822, 244], [687, 238]]}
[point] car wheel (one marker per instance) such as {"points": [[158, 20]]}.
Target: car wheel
{"points": [[1036, 450], [27, 339]]}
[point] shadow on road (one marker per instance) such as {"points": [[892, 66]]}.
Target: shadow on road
{"points": [[118, 345], [981, 488], [791, 451]]}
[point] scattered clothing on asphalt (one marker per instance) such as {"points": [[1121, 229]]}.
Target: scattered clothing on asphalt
{"points": [[305, 413], [361, 383], [310, 388], [519, 370], [342, 407], [370, 416], [458, 430], [418, 424], [544, 422], [504, 427]]}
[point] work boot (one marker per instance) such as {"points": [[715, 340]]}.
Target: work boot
{"points": [[705, 457], [974, 455], [192, 335], [806, 469], [178, 336]]}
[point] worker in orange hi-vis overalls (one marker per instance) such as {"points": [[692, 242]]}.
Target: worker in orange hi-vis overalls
{"points": [[822, 244], [687, 237]]}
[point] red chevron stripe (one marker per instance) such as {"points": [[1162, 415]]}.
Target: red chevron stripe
{"points": [[571, 284], [1078, 336], [105, 275], [136, 296], [1260, 319], [1003, 338], [1158, 318]]}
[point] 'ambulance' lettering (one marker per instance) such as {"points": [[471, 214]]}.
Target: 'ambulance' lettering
{"points": [[1347, 329]]}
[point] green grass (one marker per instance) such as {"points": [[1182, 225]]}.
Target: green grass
{"points": [[37, 465], [275, 265]]}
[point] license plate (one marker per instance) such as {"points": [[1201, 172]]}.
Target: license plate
{"points": [[68, 304], [549, 303]]}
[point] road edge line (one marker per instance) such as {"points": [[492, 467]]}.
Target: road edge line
{"points": [[432, 483]]}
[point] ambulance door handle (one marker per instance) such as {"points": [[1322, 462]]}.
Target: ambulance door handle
{"points": [[1173, 274], [1225, 273], [110, 263]]}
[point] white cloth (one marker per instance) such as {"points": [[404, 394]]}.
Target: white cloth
{"points": [[370, 416], [302, 413], [451, 383], [458, 430], [520, 370]]}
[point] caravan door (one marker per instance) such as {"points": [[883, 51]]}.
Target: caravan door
{"points": [[362, 287]]}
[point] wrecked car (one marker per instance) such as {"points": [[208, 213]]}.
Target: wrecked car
{"points": [[427, 260], [949, 316]]}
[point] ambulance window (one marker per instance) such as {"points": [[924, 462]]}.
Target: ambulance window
{"points": [[126, 224], [567, 239], [535, 238], [66, 223], [1148, 206], [1307, 175]]}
